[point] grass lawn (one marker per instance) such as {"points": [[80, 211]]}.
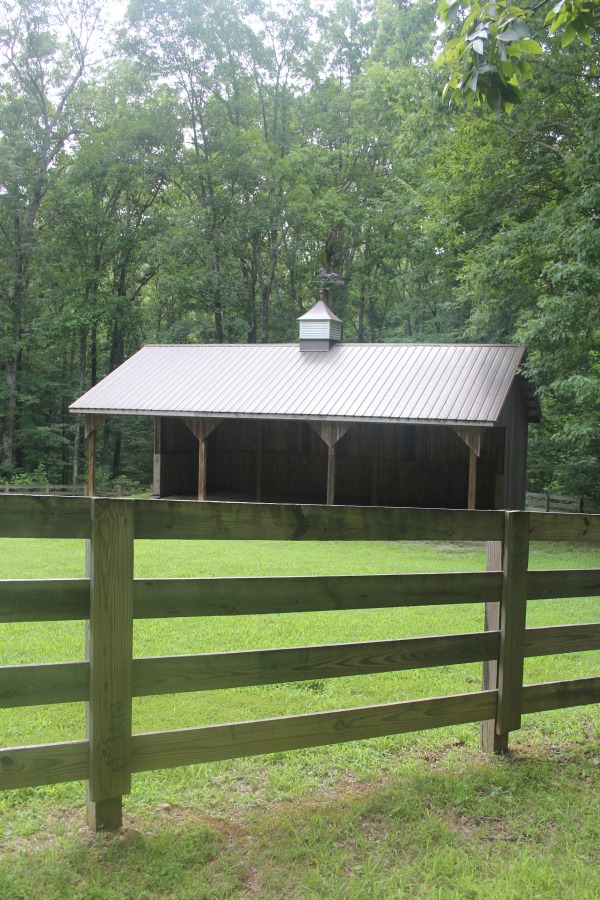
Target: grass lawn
{"points": [[415, 815]]}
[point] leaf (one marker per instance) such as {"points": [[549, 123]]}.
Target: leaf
{"points": [[583, 31], [560, 20], [477, 46], [532, 47], [569, 35], [509, 35], [480, 33], [521, 28], [525, 69], [494, 98], [510, 93], [473, 81]]}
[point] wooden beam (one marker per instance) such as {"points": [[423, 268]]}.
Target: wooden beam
{"points": [[165, 749], [331, 432], [91, 423], [330, 476], [45, 517], [110, 648], [294, 522], [36, 685], [490, 741], [259, 460], [471, 435], [560, 694], [201, 427], [561, 639], [216, 671], [168, 597], [202, 470], [512, 622], [472, 497], [375, 466], [91, 467], [44, 764], [563, 583], [44, 600], [549, 526], [157, 457]]}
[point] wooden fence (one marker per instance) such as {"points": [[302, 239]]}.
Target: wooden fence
{"points": [[110, 599], [75, 490], [558, 503]]}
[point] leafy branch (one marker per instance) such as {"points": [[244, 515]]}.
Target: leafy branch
{"points": [[490, 57]]}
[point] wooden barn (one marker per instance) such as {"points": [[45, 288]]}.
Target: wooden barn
{"points": [[322, 421]]}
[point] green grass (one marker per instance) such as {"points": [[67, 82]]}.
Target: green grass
{"points": [[414, 815]]}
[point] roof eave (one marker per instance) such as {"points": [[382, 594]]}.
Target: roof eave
{"points": [[213, 414]]}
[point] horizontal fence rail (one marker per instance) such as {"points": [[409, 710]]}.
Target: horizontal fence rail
{"points": [[76, 490], [558, 503], [110, 599]]}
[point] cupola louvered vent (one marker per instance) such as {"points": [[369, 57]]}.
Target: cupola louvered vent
{"points": [[320, 328]]}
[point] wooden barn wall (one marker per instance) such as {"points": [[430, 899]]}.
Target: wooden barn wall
{"points": [[176, 459], [416, 465], [294, 460]]}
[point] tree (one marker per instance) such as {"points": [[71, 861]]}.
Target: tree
{"points": [[44, 53], [490, 44]]}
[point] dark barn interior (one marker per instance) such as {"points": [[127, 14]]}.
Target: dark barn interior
{"points": [[375, 463]]}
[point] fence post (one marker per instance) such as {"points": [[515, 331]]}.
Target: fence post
{"points": [[513, 610], [490, 741], [109, 650]]}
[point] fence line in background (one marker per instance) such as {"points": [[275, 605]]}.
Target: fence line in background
{"points": [[75, 490], [534, 500], [110, 599], [558, 503]]}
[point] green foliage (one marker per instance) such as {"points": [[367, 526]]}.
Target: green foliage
{"points": [[491, 54], [191, 188]]}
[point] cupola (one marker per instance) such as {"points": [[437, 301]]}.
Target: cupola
{"points": [[320, 328]]}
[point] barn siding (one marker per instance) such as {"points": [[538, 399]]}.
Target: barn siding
{"points": [[178, 459], [417, 465]]}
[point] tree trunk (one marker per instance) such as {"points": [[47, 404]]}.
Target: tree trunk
{"points": [[10, 414]]}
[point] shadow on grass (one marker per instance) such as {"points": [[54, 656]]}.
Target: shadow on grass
{"points": [[450, 822]]}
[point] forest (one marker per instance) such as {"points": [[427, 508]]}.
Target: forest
{"points": [[176, 172]]}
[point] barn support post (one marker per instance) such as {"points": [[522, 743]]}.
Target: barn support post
{"points": [[201, 428], [202, 470], [331, 475], [472, 436], [91, 423], [91, 472], [375, 467], [259, 460], [109, 649], [156, 458], [330, 433], [472, 498]]}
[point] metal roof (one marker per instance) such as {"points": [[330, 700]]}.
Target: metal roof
{"points": [[437, 383], [319, 312]]}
